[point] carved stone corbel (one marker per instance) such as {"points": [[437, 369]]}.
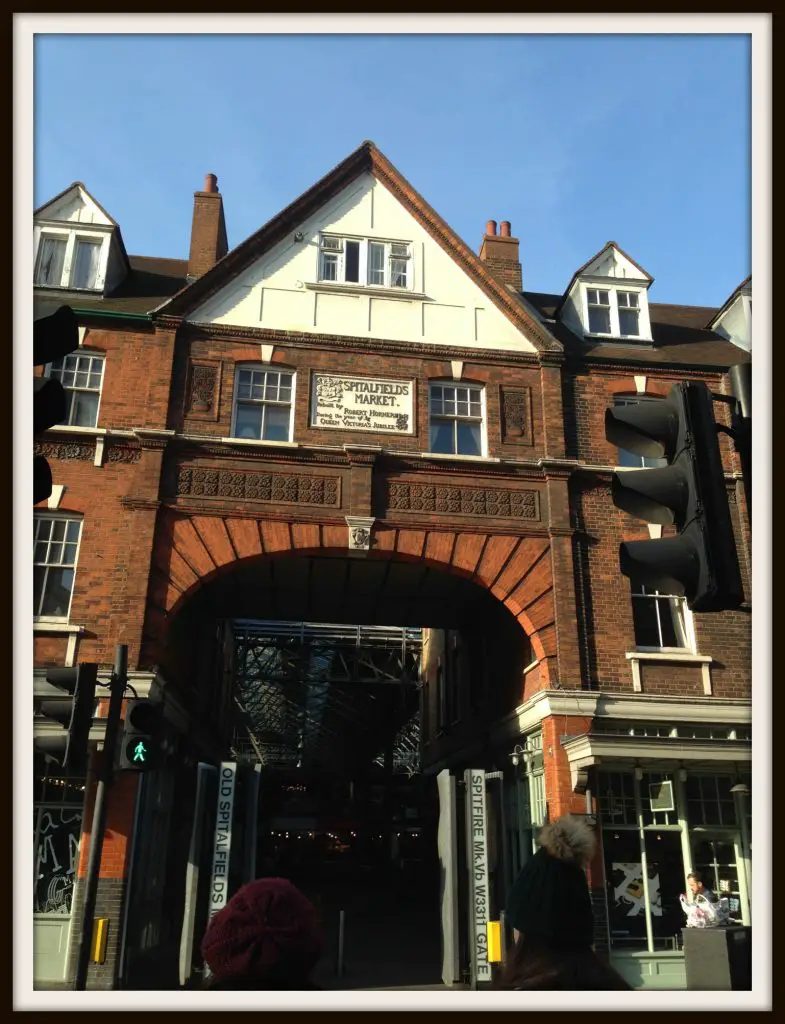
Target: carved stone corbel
{"points": [[360, 528]]}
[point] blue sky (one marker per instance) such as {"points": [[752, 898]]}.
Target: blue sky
{"points": [[575, 139]]}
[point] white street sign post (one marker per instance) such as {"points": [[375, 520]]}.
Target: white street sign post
{"points": [[222, 844], [477, 858]]}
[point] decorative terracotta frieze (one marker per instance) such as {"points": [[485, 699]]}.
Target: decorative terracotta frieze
{"points": [[277, 488], [469, 501]]}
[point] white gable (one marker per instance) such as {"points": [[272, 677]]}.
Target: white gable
{"points": [[611, 263], [617, 277], [735, 324], [443, 306], [75, 207]]}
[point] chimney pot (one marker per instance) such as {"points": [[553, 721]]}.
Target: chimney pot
{"points": [[490, 227], [210, 183], [505, 231]]}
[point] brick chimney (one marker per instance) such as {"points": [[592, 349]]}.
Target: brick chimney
{"points": [[208, 229], [500, 254]]}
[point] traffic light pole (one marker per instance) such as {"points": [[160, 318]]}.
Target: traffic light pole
{"points": [[741, 387], [105, 775]]}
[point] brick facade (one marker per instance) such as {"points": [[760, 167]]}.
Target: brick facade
{"points": [[171, 508]]}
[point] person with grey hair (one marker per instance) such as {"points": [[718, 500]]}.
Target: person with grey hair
{"points": [[549, 908]]}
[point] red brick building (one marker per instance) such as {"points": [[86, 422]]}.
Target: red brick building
{"points": [[225, 459]]}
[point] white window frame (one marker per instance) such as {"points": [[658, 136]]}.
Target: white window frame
{"points": [[264, 368], [65, 517], [688, 622], [90, 354], [335, 243], [72, 238], [614, 290], [471, 385], [536, 778]]}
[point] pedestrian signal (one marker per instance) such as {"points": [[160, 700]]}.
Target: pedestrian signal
{"points": [[142, 746]]}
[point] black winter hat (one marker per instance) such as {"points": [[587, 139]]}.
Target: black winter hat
{"points": [[550, 897]]}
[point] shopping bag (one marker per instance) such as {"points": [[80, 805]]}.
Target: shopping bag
{"points": [[702, 913]]}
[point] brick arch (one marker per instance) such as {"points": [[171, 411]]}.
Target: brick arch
{"points": [[190, 550]]}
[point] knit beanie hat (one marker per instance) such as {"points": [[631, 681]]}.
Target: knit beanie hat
{"points": [[550, 897], [268, 932]]}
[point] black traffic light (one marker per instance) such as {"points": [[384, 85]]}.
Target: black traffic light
{"points": [[141, 748], [689, 492], [75, 714], [53, 337]]}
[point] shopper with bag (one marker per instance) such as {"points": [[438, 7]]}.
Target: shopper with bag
{"points": [[697, 888], [701, 906]]}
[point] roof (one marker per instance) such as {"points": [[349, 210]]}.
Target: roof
{"points": [[83, 187], [729, 301], [151, 281], [591, 260], [679, 333], [367, 158]]}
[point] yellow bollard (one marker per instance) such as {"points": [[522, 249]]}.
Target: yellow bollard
{"points": [[100, 933], [494, 942]]}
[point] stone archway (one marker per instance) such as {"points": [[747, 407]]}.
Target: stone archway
{"points": [[191, 549]]}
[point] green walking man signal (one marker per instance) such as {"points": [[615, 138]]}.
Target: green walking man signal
{"points": [[143, 739]]}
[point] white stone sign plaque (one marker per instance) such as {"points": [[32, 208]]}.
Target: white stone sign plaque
{"points": [[362, 403]]}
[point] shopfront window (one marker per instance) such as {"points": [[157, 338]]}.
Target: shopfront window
{"points": [[665, 867], [715, 857], [631, 900], [656, 829], [710, 801], [526, 808], [658, 799], [617, 799], [625, 890]]}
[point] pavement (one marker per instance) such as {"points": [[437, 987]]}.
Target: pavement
{"points": [[392, 936], [391, 939]]}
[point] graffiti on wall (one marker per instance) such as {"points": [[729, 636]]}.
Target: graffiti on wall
{"points": [[56, 856]]}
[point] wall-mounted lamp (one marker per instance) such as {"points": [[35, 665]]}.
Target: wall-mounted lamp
{"points": [[682, 775], [742, 788], [638, 773], [298, 236], [518, 754]]}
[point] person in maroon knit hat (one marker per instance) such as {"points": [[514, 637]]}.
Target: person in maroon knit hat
{"points": [[266, 937]]}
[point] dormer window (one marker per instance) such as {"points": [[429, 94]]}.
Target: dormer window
{"points": [[599, 310], [86, 263], [51, 259], [613, 312], [69, 260], [628, 313], [365, 261]]}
